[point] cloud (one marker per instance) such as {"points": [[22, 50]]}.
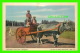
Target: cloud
{"points": [[46, 10], [39, 10], [37, 16], [62, 9], [21, 12], [18, 16], [41, 16], [24, 16], [42, 10]]}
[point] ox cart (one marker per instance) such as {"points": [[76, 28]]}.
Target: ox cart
{"points": [[22, 32]]}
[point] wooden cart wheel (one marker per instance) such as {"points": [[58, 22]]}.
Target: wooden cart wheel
{"points": [[19, 37]]}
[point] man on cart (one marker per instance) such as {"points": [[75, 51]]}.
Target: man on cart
{"points": [[34, 22], [28, 21]]}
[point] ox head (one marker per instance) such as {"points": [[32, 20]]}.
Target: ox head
{"points": [[65, 26]]}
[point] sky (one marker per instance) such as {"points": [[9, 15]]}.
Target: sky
{"points": [[18, 13]]}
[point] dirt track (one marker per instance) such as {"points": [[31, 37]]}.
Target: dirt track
{"points": [[48, 42]]}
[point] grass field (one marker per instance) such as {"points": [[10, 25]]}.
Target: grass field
{"points": [[68, 34]]}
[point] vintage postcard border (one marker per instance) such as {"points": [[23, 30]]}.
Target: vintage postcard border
{"points": [[19, 4]]}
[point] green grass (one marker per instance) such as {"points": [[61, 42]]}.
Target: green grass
{"points": [[68, 35]]}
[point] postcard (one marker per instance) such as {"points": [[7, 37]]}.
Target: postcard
{"points": [[40, 26]]}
